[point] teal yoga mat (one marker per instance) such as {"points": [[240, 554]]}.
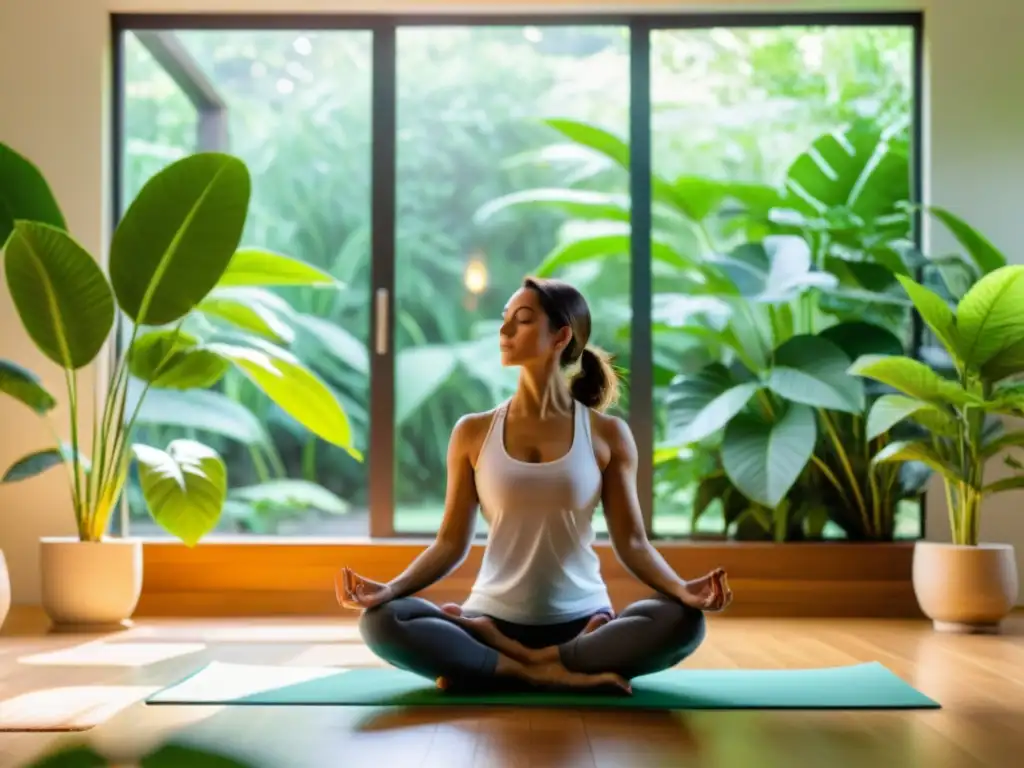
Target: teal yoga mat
{"points": [[859, 686]]}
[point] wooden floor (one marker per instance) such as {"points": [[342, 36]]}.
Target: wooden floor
{"points": [[979, 681]]}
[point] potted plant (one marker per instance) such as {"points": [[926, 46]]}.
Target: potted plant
{"points": [[177, 241], [966, 585]]}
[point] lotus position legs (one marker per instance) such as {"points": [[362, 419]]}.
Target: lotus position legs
{"points": [[468, 651]]}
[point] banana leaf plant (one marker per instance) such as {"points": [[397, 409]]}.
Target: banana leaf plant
{"points": [[984, 337], [174, 258], [846, 195]]}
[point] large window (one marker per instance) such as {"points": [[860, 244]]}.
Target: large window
{"points": [[718, 190]]}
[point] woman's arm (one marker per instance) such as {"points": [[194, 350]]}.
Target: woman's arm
{"points": [[623, 515], [455, 536]]}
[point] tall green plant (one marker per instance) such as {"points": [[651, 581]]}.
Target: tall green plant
{"points": [[176, 243], [984, 337]]}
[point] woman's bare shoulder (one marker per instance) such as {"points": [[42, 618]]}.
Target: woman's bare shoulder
{"points": [[612, 438], [469, 432]]}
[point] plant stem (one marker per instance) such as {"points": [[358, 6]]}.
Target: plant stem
{"points": [[766, 403], [71, 380], [845, 461], [830, 475], [259, 464], [951, 510]]}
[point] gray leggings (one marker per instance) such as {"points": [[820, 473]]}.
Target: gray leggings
{"points": [[649, 636]]}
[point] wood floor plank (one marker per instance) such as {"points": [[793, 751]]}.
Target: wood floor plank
{"points": [[979, 680]]}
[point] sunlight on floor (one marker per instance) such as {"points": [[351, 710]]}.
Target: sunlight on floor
{"points": [[221, 681], [71, 708], [337, 655], [253, 633], [103, 654]]}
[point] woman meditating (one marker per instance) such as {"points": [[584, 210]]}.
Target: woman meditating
{"points": [[538, 466]]}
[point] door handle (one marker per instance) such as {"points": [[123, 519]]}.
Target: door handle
{"points": [[381, 306]]}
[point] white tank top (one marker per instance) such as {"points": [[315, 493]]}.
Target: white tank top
{"points": [[539, 566]]}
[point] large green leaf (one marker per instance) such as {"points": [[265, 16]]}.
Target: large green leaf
{"points": [[1008, 362], [60, 293], [614, 241], [294, 388], [764, 459], [419, 373], [255, 267], [813, 371], [24, 194], [989, 318], [857, 338], [936, 313], [178, 236], [697, 197], [912, 378], [580, 203], [1014, 483], [986, 256], [593, 137], [996, 444], [690, 422], [334, 340], [197, 409], [904, 450], [173, 359], [889, 410], [38, 462], [300, 494], [21, 384], [251, 309], [856, 169], [184, 487], [775, 271]]}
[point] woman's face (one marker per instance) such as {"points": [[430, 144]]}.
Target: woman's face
{"points": [[526, 335]]}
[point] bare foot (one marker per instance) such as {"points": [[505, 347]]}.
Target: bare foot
{"points": [[708, 593], [487, 631], [596, 622], [554, 674]]}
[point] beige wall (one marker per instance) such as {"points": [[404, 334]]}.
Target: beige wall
{"points": [[55, 87]]}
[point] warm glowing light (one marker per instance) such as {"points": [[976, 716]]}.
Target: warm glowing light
{"points": [[101, 654], [476, 276], [72, 708], [221, 681]]}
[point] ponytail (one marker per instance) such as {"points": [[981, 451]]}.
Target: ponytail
{"points": [[595, 384]]}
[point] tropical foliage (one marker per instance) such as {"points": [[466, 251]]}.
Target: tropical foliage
{"points": [[187, 295], [740, 120]]}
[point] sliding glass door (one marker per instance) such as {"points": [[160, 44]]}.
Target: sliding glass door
{"points": [[428, 164]]}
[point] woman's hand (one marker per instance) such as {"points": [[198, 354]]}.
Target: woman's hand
{"points": [[355, 592]]}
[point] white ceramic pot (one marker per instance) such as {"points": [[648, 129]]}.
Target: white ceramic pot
{"points": [[5, 590], [91, 584], [964, 588]]}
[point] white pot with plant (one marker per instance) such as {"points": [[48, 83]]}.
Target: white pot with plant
{"points": [[172, 259], [966, 585]]}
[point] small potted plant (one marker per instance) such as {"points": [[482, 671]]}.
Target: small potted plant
{"points": [[174, 245], [966, 585]]}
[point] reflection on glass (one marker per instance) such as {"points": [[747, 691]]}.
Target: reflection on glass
{"points": [[511, 160], [780, 159], [298, 113]]}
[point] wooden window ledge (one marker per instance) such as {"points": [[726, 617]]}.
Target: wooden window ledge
{"points": [[273, 577]]}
